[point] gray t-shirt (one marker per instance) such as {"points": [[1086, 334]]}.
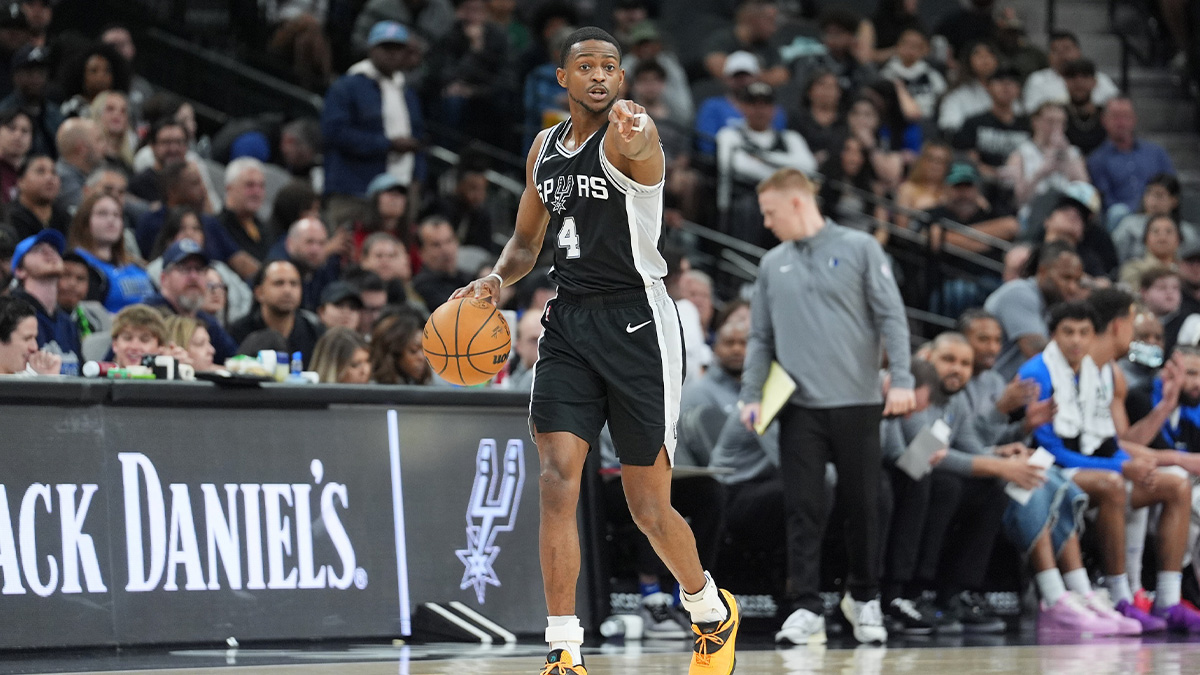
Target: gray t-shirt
{"points": [[1019, 307]]}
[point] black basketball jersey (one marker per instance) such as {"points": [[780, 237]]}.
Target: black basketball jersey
{"points": [[607, 228]]}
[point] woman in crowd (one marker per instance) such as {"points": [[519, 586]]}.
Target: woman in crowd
{"points": [[216, 297], [101, 68], [926, 183], [1047, 161], [191, 336], [970, 96], [396, 354], [16, 138], [389, 213], [294, 201], [864, 120], [110, 110], [848, 175], [342, 356], [184, 223], [819, 118], [1160, 198], [97, 235], [1162, 241]]}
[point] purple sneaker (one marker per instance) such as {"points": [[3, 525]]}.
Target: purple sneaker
{"points": [[1180, 619], [1150, 623]]}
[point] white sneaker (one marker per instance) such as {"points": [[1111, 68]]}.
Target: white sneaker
{"points": [[803, 628], [866, 618], [657, 611]]}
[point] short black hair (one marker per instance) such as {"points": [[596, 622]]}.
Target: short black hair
{"points": [[364, 280], [159, 125], [25, 166], [1076, 310], [582, 35], [1063, 35], [1080, 67], [1109, 304], [649, 66], [12, 312], [971, 316], [9, 115], [1051, 252]]}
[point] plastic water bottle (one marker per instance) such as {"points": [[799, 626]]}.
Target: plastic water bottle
{"points": [[297, 365]]}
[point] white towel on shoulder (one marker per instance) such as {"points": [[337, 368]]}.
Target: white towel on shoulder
{"points": [[1083, 410]]}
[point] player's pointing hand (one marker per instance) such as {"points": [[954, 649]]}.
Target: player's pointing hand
{"points": [[628, 117]]}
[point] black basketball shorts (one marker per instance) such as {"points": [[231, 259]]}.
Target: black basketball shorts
{"points": [[615, 358]]}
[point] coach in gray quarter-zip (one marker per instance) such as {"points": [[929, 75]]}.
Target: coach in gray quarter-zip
{"points": [[825, 306]]}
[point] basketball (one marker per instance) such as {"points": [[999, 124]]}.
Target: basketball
{"points": [[467, 341]]}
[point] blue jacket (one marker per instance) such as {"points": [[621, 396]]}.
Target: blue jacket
{"points": [[356, 148], [1044, 435]]}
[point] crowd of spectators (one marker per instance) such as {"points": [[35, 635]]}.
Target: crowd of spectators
{"points": [[1017, 178]]}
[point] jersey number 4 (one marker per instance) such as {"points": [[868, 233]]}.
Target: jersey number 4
{"points": [[568, 238]]}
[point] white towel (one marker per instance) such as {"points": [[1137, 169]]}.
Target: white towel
{"points": [[396, 121], [1083, 411]]}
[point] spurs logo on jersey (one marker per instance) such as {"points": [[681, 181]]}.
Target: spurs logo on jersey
{"points": [[556, 191], [607, 226]]}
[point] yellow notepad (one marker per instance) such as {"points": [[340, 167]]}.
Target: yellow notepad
{"points": [[776, 391]]}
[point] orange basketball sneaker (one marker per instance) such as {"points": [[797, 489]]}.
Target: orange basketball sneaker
{"points": [[559, 662], [712, 652]]}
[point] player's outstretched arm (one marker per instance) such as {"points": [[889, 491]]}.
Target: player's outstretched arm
{"points": [[631, 143], [521, 252]]}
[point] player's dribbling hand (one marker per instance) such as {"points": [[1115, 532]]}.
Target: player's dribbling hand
{"points": [[899, 402], [626, 116], [486, 287]]}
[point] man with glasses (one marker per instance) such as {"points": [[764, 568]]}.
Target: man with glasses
{"points": [[183, 284], [168, 142]]}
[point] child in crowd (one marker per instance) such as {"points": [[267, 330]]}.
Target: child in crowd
{"points": [[924, 83]]}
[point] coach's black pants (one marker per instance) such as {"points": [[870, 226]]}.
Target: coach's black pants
{"points": [[943, 530], [849, 438]]}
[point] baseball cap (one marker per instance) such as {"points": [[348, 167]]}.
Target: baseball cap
{"points": [[52, 237], [30, 56], [387, 31], [340, 291], [962, 173], [182, 250], [758, 91], [1081, 195], [644, 31], [382, 183], [741, 62], [251, 144]]}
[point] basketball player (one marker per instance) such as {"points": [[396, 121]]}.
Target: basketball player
{"points": [[613, 347]]}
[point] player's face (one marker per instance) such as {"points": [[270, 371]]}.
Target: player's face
{"points": [[593, 76], [1074, 338]]}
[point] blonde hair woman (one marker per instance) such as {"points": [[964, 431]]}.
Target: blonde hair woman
{"points": [[110, 109], [341, 356]]}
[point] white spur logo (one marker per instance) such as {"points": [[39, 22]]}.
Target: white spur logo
{"points": [[495, 498]]}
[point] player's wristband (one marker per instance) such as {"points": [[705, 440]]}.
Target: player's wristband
{"points": [[499, 279]]}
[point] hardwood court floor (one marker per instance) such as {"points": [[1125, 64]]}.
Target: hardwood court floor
{"points": [[1093, 657]]}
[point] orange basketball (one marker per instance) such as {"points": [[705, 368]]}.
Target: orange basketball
{"points": [[466, 341]]}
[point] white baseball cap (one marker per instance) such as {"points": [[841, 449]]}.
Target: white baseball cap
{"points": [[741, 62]]}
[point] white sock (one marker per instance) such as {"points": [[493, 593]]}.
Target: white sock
{"points": [[565, 627], [705, 605], [1118, 588], [1050, 585], [1168, 593], [1078, 581]]}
